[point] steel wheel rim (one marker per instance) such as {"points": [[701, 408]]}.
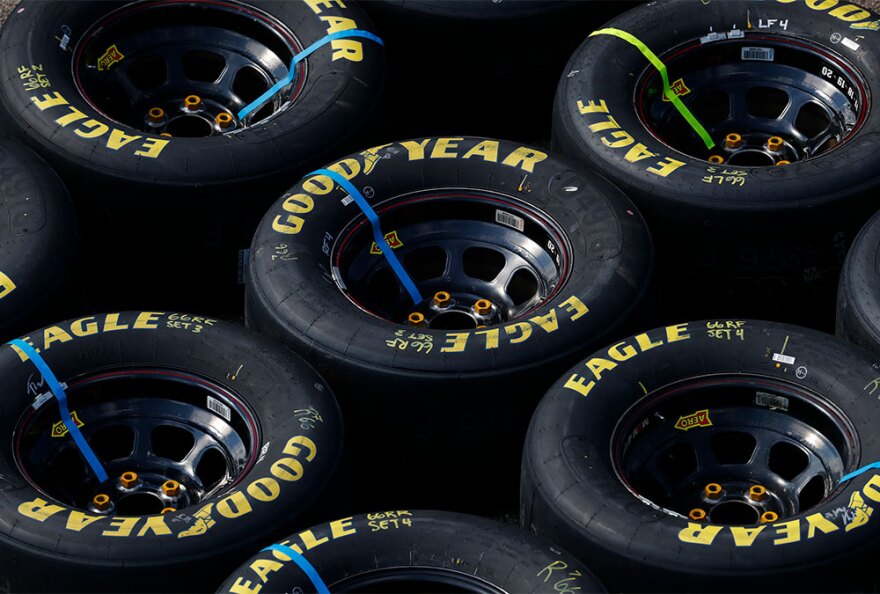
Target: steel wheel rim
{"points": [[736, 433], [804, 103], [178, 50], [162, 425], [468, 244]]}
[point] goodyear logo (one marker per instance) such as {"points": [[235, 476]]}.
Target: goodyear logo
{"points": [[59, 429], [393, 240], [866, 26], [109, 58], [679, 88], [697, 419]]}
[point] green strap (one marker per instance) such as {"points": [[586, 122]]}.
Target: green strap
{"points": [[667, 90]]}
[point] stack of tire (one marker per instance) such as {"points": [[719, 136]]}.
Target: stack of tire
{"points": [[438, 321]]}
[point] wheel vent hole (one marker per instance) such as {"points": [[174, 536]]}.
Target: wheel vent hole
{"points": [[203, 66], [425, 263], [382, 288], [211, 469], [736, 513], [523, 286], [112, 443], [766, 102], [812, 493], [139, 504], [249, 84], [171, 442], [787, 460], [483, 263], [68, 467], [148, 72], [733, 447], [678, 461], [713, 106], [812, 120]]}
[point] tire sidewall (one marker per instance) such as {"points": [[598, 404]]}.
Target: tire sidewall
{"points": [[562, 494]]}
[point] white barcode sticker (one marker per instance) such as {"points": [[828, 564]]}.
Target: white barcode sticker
{"points": [[219, 408], [510, 220], [780, 358], [761, 54]]}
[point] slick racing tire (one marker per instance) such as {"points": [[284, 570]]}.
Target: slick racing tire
{"points": [[476, 9], [409, 551], [84, 80], [214, 441], [37, 234], [521, 262], [95, 87], [858, 308], [711, 456], [761, 222]]}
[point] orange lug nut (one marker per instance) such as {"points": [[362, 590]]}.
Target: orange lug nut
{"points": [[101, 501], [483, 307], [128, 479]]}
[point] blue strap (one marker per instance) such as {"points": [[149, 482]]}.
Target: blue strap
{"points": [[61, 398], [259, 101], [378, 236], [307, 567], [861, 470]]}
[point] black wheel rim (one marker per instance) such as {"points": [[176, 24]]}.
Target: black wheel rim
{"points": [[478, 259], [186, 69], [765, 100], [734, 450], [183, 438]]}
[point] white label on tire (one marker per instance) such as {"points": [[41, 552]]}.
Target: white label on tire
{"points": [[783, 359], [759, 54], [510, 220], [218, 407]]}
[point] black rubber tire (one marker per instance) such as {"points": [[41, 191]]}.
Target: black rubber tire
{"points": [[196, 195], [772, 247], [858, 306], [416, 401], [110, 554], [402, 551], [37, 234], [571, 492], [487, 10]]}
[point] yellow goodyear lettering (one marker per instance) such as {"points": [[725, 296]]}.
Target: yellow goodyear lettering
{"points": [[262, 568], [92, 129], [615, 137], [6, 285], [620, 353], [856, 16], [856, 514]]}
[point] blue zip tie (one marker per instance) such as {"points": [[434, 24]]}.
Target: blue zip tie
{"points": [[303, 563], [61, 397], [259, 101], [378, 236], [861, 470]]}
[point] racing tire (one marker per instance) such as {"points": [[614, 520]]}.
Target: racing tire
{"points": [[746, 234], [84, 77], [37, 235], [858, 309], [230, 438], [710, 456], [562, 257], [406, 551]]}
